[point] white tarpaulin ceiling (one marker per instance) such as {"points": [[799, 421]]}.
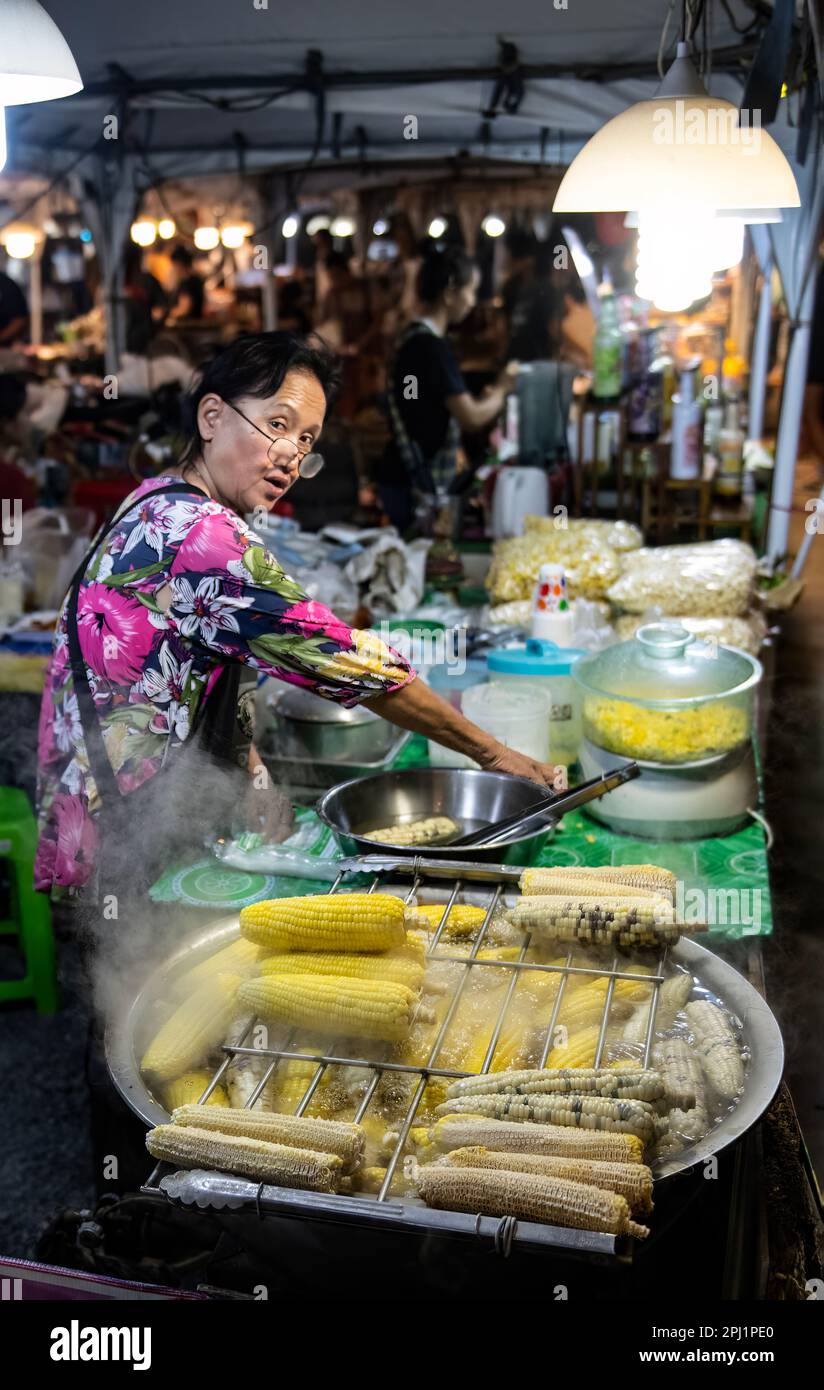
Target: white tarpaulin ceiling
{"points": [[198, 73]]}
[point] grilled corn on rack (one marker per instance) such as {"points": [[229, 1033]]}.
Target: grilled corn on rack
{"points": [[633, 1181]]}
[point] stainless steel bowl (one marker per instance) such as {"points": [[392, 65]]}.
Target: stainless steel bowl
{"points": [[473, 798]]}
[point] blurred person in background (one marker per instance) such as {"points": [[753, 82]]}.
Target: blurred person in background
{"points": [[529, 301], [323, 244], [15, 482], [188, 296], [14, 311], [429, 403], [146, 302]]}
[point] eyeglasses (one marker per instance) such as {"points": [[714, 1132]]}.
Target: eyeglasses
{"points": [[309, 462]]}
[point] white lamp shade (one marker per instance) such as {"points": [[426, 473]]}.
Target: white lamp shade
{"points": [[206, 238], [674, 151], [36, 63]]}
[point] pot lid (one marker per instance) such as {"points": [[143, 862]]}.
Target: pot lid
{"points": [[306, 707], [664, 662]]}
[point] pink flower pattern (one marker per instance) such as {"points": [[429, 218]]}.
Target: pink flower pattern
{"points": [[230, 602]]}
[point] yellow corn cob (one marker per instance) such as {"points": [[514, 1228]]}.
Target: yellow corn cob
{"points": [[334, 1004], [370, 1179], [413, 948], [640, 1084], [188, 1088], [386, 966], [579, 1112], [586, 1005], [598, 919], [641, 876], [196, 1027], [290, 1131], [250, 1158], [578, 1050], [326, 922], [561, 1141], [416, 832], [463, 919], [238, 958], [632, 1181], [717, 1046], [672, 996], [526, 1196], [290, 1083]]}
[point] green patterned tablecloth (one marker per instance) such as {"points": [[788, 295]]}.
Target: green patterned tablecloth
{"points": [[724, 881]]}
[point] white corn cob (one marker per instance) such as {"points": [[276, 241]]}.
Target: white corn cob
{"points": [[525, 1196], [346, 1141], [641, 877], [460, 1131], [717, 1047], [416, 832], [632, 1181], [598, 919], [672, 996], [250, 1158], [630, 1084], [688, 1118], [580, 1112]]}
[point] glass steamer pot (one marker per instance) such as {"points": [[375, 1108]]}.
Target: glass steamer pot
{"points": [[684, 709]]}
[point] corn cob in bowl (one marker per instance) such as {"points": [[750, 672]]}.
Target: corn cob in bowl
{"points": [[194, 1029], [346, 1141], [636, 1084], [559, 1141]]}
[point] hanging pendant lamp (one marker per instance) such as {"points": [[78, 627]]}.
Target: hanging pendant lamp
{"points": [[36, 63], [680, 147]]}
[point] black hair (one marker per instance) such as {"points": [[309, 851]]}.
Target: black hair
{"points": [[12, 397], [443, 268], [338, 260], [255, 364], [182, 256]]}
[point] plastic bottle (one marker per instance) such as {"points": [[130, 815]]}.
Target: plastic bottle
{"points": [[687, 432], [608, 347], [729, 478]]}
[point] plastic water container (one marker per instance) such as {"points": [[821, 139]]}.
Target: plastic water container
{"points": [[452, 684], [543, 664], [517, 717]]}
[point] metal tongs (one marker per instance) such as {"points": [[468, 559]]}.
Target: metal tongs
{"points": [[548, 808]]}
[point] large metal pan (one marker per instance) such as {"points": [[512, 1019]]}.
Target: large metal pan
{"points": [[126, 1037]]}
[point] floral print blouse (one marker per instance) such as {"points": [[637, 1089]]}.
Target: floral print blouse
{"points": [[179, 588]]}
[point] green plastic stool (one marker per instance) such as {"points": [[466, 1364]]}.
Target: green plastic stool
{"points": [[31, 914]]}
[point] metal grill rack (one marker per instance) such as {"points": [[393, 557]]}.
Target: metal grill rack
{"points": [[488, 882]]}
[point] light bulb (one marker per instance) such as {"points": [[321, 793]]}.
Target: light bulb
{"points": [[166, 228], [380, 226], [318, 223], [290, 226], [493, 225], [437, 227], [232, 237], [342, 226], [206, 238], [20, 245], [143, 232]]}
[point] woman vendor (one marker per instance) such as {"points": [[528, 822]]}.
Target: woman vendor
{"points": [[178, 599]]}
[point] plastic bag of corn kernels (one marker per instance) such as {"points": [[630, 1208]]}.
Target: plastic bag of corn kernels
{"points": [[746, 633], [714, 578]]}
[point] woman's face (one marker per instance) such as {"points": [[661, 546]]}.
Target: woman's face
{"points": [[461, 301], [236, 457]]}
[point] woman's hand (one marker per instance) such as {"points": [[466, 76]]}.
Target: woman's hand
{"points": [[502, 759]]}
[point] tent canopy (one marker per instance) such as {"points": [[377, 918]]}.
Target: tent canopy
{"points": [[198, 74]]}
